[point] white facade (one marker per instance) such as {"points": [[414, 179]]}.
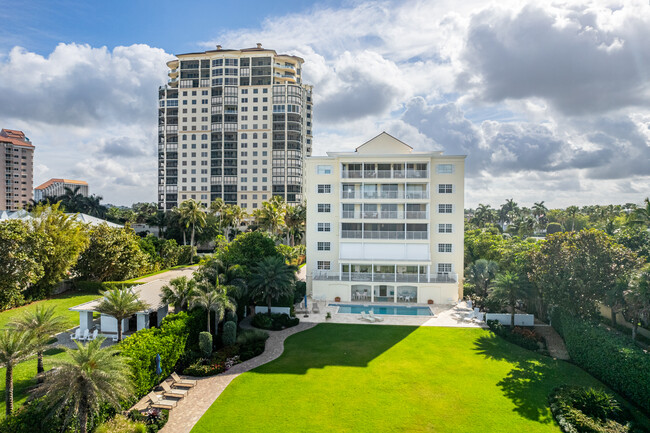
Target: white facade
{"points": [[385, 224]]}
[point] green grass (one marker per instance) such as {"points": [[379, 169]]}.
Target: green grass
{"points": [[356, 378]]}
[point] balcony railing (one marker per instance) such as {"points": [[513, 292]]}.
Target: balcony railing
{"points": [[370, 234], [414, 195], [439, 277], [400, 215], [384, 174]]}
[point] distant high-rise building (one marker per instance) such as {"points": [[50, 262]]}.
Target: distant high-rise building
{"points": [[56, 187], [17, 171], [233, 124]]}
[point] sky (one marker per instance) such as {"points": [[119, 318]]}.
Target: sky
{"points": [[549, 100]]}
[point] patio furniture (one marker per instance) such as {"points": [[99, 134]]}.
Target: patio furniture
{"points": [[314, 308], [86, 335], [182, 383], [375, 318], [76, 335], [158, 403], [171, 392], [367, 318], [94, 335]]}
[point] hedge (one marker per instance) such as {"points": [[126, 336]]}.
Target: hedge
{"points": [[612, 358], [141, 348], [106, 285]]}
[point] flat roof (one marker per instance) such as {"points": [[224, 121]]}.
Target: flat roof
{"points": [[149, 292]]}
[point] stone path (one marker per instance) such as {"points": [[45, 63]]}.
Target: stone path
{"points": [[554, 342], [190, 409]]}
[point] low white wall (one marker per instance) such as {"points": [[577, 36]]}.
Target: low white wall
{"points": [[504, 319], [109, 324], [280, 310], [606, 312]]}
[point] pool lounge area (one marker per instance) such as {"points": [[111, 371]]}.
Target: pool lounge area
{"points": [[392, 310]]}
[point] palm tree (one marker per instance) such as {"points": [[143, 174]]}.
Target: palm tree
{"points": [[92, 206], [641, 215], [178, 292], [507, 289], [572, 210], [294, 220], [43, 322], [271, 216], [15, 345], [91, 378], [218, 208], [637, 298], [120, 304], [211, 299], [483, 215], [272, 279], [215, 272], [480, 274], [235, 215], [191, 213]]}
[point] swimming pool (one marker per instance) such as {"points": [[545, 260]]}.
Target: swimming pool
{"points": [[394, 310]]}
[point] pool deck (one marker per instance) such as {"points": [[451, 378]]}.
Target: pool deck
{"points": [[454, 316]]}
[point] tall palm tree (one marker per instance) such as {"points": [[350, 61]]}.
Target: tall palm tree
{"points": [[120, 304], [641, 215], [211, 299], [93, 206], [91, 378], [235, 216], [217, 208], [216, 273], [15, 346], [271, 216], [192, 214], [480, 274], [572, 211], [43, 322], [483, 215], [272, 279], [294, 221], [178, 292], [507, 289]]}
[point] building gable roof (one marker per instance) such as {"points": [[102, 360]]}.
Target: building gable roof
{"points": [[384, 143]]}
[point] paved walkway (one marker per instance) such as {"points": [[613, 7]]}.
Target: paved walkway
{"points": [[554, 342], [170, 275], [190, 409]]}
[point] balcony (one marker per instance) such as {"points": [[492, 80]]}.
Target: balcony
{"points": [[284, 67], [411, 195], [394, 235], [436, 277], [397, 215], [384, 174]]}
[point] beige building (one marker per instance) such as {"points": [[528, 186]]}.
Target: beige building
{"points": [[17, 170], [56, 187], [385, 224], [234, 124]]}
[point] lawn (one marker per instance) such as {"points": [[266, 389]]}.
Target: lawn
{"points": [[361, 378]]}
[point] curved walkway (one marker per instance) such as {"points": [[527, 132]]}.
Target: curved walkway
{"points": [[190, 409]]}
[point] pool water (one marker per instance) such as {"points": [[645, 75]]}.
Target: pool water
{"points": [[389, 310]]}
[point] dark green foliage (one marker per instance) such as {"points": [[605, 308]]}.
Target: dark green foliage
{"points": [[89, 286], [248, 249], [554, 228], [527, 340], [231, 316], [635, 238], [301, 291], [229, 336], [154, 419], [141, 349], [589, 410], [610, 357], [187, 255], [202, 369], [274, 322], [205, 344], [163, 253], [250, 336]]}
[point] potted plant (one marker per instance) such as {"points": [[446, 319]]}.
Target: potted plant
{"points": [[430, 301], [328, 316], [337, 299]]}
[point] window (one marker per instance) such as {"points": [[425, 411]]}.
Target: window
{"points": [[444, 267], [323, 265], [324, 208], [444, 248], [444, 228], [324, 189], [445, 188], [445, 168], [323, 169], [445, 208], [324, 227], [324, 246]]}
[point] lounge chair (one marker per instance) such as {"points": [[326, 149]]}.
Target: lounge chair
{"points": [[367, 318], [86, 335], [76, 335], [182, 383], [94, 335], [376, 318], [171, 392], [315, 309], [158, 403]]}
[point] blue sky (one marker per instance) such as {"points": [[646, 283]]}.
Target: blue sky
{"points": [[550, 99]]}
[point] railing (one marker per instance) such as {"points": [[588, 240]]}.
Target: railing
{"points": [[384, 215], [414, 195], [439, 277], [370, 234], [384, 174]]}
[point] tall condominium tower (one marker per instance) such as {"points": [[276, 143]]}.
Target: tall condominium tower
{"points": [[17, 172], [233, 124]]}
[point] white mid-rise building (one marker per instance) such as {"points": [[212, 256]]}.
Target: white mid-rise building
{"points": [[385, 224]]}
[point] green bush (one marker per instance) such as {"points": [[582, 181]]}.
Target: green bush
{"points": [[527, 340], [141, 348], [121, 424], [300, 292], [231, 316], [202, 368], [250, 336], [554, 228], [154, 419], [229, 336], [275, 321], [612, 358], [205, 344], [185, 255], [588, 410]]}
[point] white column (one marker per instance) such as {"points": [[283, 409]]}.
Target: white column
{"points": [[162, 312], [85, 320], [143, 321]]}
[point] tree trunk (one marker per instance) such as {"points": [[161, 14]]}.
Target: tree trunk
{"points": [[9, 388], [512, 316], [268, 299], [635, 326], [613, 316], [192, 237], [208, 320], [39, 366], [184, 238], [83, 419], [119, 330]]}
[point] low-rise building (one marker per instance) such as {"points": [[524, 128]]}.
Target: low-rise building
{"points": [[56, 187]]}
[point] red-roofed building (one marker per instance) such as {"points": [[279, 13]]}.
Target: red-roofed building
{"points": [[16, 169], [56, 188]]}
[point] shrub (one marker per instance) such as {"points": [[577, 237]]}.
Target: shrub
{"points": [[300, 292], [205, 344], [588, 410], [250, 336], [612, 358], [186, 254], [231, 316], [154, 419], [121, 424], [201, 369], [229, 336], [274, 322], [519, 336], [554, 228]]}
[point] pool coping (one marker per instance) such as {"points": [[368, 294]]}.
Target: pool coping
{"points": [[338, 306]]}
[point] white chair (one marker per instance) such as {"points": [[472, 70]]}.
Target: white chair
{"points": [[367, 318], [76, 335], [94, 335], [375, 318], [86, 335]]}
